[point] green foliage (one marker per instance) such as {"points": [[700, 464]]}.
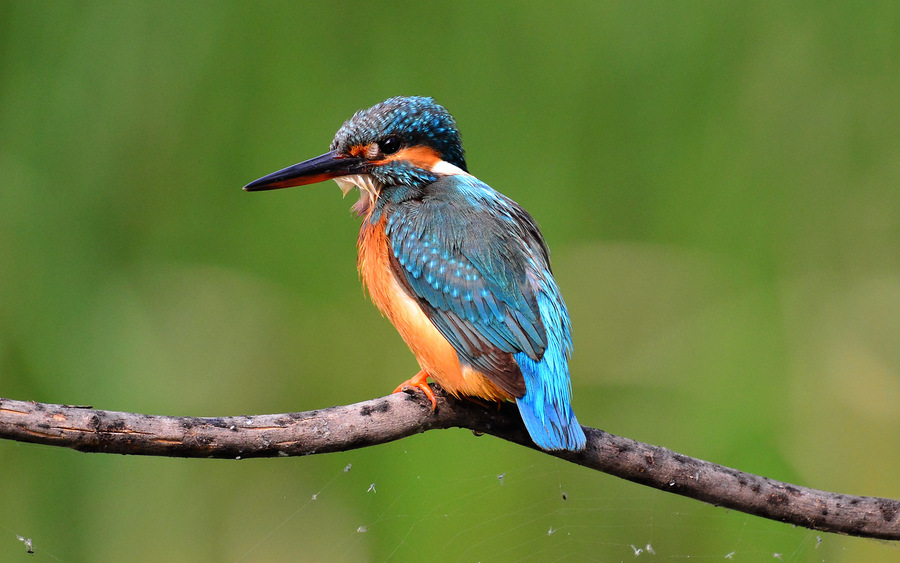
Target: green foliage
{"points": [[718, 183]]}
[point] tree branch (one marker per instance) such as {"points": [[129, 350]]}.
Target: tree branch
{"points": [[396, 416]]}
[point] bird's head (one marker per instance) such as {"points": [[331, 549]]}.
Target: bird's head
{"points": [[401, 142]]}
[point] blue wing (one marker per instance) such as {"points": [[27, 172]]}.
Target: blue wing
{"points": [[477, 264]]}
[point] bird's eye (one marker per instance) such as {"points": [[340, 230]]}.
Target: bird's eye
{"points": [[389, 145]]}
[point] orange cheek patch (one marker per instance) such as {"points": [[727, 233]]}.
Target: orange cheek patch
{"points": [[420, 157]]}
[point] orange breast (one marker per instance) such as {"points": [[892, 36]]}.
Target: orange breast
{"points": [[434, 353]]}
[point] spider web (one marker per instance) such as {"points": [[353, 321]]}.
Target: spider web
{"points": [[489, 508]]}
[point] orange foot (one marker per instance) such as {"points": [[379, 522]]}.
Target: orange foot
{"points": [[418, 382]]}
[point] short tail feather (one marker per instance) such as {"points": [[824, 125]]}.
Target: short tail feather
{"points": [[546, 406]]}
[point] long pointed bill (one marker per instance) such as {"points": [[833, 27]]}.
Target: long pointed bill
{"points": [[325, 167]]}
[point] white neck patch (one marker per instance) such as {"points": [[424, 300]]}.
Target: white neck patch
{"points": [[444, 168]]}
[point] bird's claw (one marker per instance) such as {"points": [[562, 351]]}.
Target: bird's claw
{"points": [[419, 382]]}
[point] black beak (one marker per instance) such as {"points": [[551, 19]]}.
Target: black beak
{"points": [[325, 167]]}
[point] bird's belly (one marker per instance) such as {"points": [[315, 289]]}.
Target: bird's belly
{"points": [[434, 353]]}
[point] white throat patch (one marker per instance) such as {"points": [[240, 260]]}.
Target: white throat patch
{"points": [[365, 182], [369, 188]]}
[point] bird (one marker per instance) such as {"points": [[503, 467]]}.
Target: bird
{"points": [[461, 270]]}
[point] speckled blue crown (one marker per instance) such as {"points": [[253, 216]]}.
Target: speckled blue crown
{"points": [[415, 119]]}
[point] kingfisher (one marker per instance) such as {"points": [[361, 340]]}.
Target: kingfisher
{"points": [[461, 270]]}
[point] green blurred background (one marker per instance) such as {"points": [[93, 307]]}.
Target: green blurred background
{"points": [[719, 183]]}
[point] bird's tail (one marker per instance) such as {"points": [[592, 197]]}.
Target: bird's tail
{"points": [[546, 406]]}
